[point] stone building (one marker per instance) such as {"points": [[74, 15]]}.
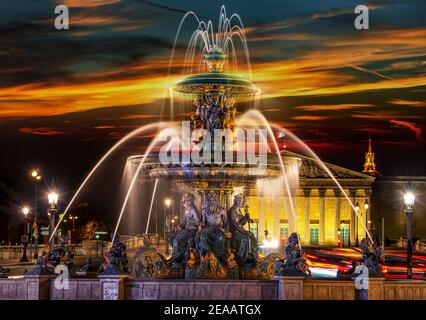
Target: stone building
{"points": [[323, 213]]}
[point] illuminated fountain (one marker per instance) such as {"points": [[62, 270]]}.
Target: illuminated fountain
{"points": [[225, 175], [220, 177]]}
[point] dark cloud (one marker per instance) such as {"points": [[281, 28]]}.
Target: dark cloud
{"points": [[163, 7], [309, 58]]}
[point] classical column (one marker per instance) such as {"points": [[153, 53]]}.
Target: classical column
{"points": [[307, 222], [352, 193], [337, 194], [321, 234], [261, 223], [276, 230], [367, 212]]}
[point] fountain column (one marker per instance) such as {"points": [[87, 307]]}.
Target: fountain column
{"points": [[352, 193], [219, 197], [222, 199], [321, 235], [226, 200], [307, 224], [336, 213]]}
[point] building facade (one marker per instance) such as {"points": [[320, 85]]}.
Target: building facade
{"points": [[323, 214]]}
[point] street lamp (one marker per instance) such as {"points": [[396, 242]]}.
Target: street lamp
{"points": [[53, 210], [24, 238], [356, 225], [342, 225], [53, 199], [25, 211], [409, 203], [167, 203], [73, 218], [35, 174], [366, 206]]}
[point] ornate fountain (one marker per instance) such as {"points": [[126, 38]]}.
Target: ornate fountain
{"points": [[212, 242]]}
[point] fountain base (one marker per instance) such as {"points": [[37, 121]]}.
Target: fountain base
{"points": [[150, 264]]}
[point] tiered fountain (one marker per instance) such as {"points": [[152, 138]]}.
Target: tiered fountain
{"points": [[205, 251], [213, 241]]}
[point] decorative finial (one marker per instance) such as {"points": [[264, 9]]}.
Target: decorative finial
{"points": [[215, 59]]}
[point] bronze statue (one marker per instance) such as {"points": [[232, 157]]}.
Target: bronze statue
{"points": [[214, 234], [199, 119], [115, 261], [184, 238], [371, 258], [294, 263], [243, 242]]}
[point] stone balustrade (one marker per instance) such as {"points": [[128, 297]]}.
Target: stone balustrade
{"points": [[201, 290], [281, 288], [15, 252]]}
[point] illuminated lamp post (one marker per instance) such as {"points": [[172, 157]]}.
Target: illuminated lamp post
{"points": [[409, 203], [24, 238], [73, 232], [173, 225], [367, 222], [35, 174], [167, 203], [52, 212], [356, 225]]}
